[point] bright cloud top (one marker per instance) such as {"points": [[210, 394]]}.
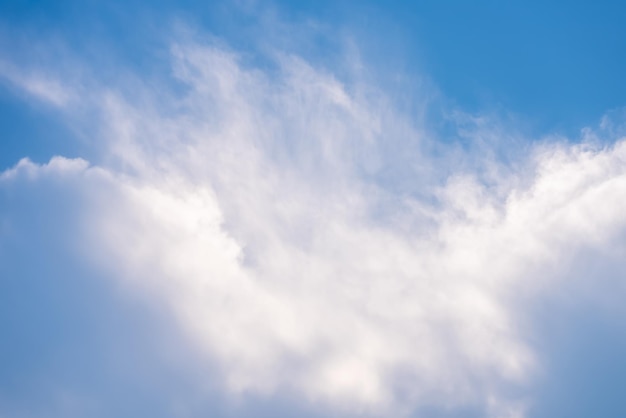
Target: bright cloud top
{"points": [[262, 206]]}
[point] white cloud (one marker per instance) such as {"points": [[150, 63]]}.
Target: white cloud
{"points": [[41, 86], [260, 208], [56, 165]]}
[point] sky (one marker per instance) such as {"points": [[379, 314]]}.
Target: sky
{"points": [[248, 208]]}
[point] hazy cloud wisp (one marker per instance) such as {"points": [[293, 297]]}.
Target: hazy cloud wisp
{"points": [[259, 207]]}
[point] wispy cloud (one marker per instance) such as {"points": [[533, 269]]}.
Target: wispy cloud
{"points": [[41, 86], [309, 237]]}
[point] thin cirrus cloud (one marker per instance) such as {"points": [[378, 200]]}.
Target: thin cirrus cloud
{"points": [[306, 238]]}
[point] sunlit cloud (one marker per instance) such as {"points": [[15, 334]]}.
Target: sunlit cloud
{"points": [[309, 237]]}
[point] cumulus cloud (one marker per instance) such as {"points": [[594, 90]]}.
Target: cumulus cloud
{"points": [[306, 238]]}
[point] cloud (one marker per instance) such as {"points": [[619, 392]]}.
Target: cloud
{"points": [[307, 237], [46, 84], [41, 87]]}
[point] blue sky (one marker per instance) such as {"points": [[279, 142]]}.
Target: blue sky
{"points": [[318, 209]]}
